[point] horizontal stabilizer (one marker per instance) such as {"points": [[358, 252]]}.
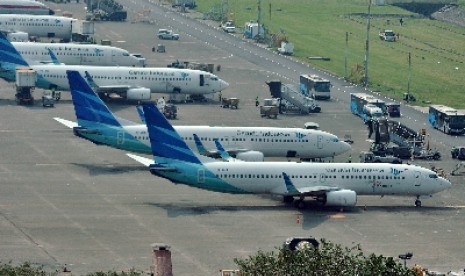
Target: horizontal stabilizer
{"points": [[143, 160], [67, 123]]}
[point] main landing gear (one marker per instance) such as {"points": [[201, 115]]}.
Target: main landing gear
{"points": [[298, 203], [418, 202]]}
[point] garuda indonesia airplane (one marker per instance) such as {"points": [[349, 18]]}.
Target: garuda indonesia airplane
{"points": [[96, 123], [334, 184], [129, 82]]}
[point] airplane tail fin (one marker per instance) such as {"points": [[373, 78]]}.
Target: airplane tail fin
{"points": [[89, 108], [8, 53], [164, 140]]}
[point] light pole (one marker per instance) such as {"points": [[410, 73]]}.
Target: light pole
{"points": [[367, 44]]}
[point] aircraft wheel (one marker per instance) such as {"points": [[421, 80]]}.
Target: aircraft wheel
{"points": [[300, 204], [418, 203], [288, 199]]}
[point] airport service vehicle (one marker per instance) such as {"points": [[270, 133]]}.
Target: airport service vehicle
{"points": [[228, 26], [334, 184], [96, 123], [393, 109], [24, 7], [78, 54], [315, 87], [372, 112], [458, 153], [128, 82], [51, 26], [167, 34], [387, 35], [296, 243], [370, 157], [447, 119], [359, 100]]}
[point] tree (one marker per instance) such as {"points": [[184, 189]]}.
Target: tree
{"points": [[327, 259]]}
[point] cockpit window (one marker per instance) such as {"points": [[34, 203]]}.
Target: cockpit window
{"points": [[433, 176], [214, 78], [335, 140]]}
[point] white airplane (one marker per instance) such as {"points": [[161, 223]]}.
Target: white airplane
{"points": [[59, 27], [24, 7], [334, 184], [129, 82], [77, 54], [96, 123]]}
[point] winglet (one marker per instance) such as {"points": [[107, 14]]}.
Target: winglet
{"points": [[223, 153], [53, 57], [164, 140], [140, 111], [200, 147], [8, 52], [291, 189], [90, 80], [89, 108]]}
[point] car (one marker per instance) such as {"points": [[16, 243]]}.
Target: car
{"points": [[167, 34]]}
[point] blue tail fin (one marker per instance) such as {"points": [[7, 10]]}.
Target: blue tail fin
{"points": [[8, 52], [53, 57], [291, 189], [164, 140], [88, 106]]}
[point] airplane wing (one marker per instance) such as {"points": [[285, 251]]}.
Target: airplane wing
{"points": [[305, 191], [67, 123]]}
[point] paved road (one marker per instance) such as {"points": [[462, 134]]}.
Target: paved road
{"points": [[64, 200]]}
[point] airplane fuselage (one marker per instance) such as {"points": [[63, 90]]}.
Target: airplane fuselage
{"points": [[272, 142], [38, 25], [77, 54], [266, 177]]}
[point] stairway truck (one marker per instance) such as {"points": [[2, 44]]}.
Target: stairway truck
{"points": [[315, 87]]}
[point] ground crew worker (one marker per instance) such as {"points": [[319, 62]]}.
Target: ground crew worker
{"points": [[257, 103]]}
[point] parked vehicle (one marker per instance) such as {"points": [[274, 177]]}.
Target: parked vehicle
{"points": [[167, 34], [228, 26], [393, 109], [370, 157], [458, 153], [387, 35]]}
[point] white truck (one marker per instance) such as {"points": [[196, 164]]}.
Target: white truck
{"points": [[286, 48], [387, 35], [228, 26]]}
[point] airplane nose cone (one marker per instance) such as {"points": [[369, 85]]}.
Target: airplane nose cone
{"points": [[224, 85], [343, 147]]}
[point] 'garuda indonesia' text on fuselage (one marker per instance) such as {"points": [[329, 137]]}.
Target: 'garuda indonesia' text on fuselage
{"points": [[97, 124], [59, 27], [335, 184], [129, 82], [77, 54]]}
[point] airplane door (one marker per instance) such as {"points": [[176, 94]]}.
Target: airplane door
{"points": [[201, 176], [202, 80], [113, 56], [319, 141], [120, 138], [417, 179]]}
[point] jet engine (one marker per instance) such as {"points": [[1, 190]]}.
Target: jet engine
{"points": [[341, 198], [251, 156], [138, 94]]}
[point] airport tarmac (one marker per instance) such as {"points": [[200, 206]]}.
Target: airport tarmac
{"points": [[64, 200]]}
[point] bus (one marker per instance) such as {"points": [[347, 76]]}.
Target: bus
{"points": [[358, 101], [315, 87], [447, 119]]}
